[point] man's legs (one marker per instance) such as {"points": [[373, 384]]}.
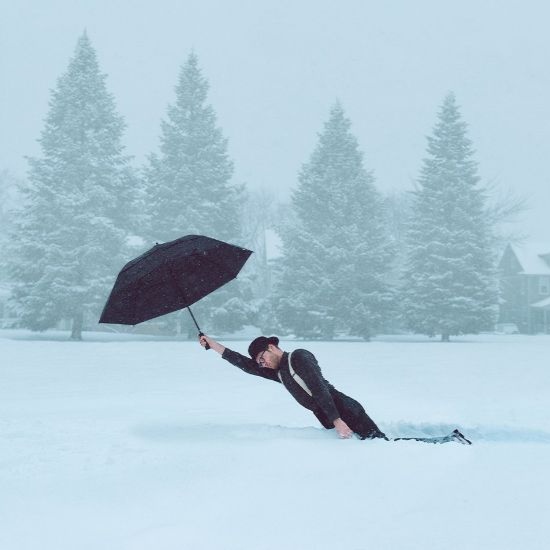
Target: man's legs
{"points": [[355, 416], [455, 435]]}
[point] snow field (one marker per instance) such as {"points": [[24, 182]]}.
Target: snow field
{"points": [[141, 445]]}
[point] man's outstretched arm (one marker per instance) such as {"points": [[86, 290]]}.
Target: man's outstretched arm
{"points": [[241, 361]]}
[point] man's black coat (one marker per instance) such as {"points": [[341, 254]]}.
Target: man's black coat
{"points": [[326, 402]]}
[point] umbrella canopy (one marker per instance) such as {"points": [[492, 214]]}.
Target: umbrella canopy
{"points": [[171, 276]]}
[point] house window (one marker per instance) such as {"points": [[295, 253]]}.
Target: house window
{"points": [[544, 285]]}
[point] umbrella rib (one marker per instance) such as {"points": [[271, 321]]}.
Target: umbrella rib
{"points": [[221, 267], [176, 282]]}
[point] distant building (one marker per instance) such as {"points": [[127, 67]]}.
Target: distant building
{"points": [[525, 288]]}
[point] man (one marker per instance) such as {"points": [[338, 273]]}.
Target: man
{"points": [[300, 374]]}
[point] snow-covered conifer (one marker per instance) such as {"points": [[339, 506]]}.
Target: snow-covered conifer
{"points": [[336, 252], [189, 188], [69, 240], [449, 285]]}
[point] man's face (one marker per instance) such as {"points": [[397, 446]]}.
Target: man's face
{"points": [[267, 359]]}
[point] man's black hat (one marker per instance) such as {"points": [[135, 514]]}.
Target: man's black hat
{"points": [[260, 344]]}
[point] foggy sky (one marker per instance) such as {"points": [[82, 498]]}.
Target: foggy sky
{"points": [[275, 68]]}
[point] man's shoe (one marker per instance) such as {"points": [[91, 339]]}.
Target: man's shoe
{"points": [[457, 436]]}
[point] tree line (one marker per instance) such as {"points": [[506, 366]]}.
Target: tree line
{"points": [[353, 261]]}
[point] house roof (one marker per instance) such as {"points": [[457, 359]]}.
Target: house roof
{"points": [[530, 257], [543, 304]]}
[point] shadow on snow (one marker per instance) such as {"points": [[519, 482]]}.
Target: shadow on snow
{"points": [[261, 432]]}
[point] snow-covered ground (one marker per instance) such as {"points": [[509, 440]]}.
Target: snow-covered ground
{"points": [[120, 444]]}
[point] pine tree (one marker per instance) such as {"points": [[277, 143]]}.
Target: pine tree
{"points": [[9, 197], [189, 188], [336, 252], [69, 241], [449, 286]]}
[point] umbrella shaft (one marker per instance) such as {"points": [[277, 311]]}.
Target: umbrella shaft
{"points": [[206, 347], [194, 320]]}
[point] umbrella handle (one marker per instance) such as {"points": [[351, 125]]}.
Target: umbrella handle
{"points": [[201, 333], [206, 347]]}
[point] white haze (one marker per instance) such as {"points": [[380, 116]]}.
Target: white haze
{"points": [[275, 68]]}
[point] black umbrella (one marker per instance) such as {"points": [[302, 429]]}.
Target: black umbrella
{"points": [[172, 276]]}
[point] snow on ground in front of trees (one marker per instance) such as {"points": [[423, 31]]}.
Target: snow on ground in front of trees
{"points": [[116, 443]]}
